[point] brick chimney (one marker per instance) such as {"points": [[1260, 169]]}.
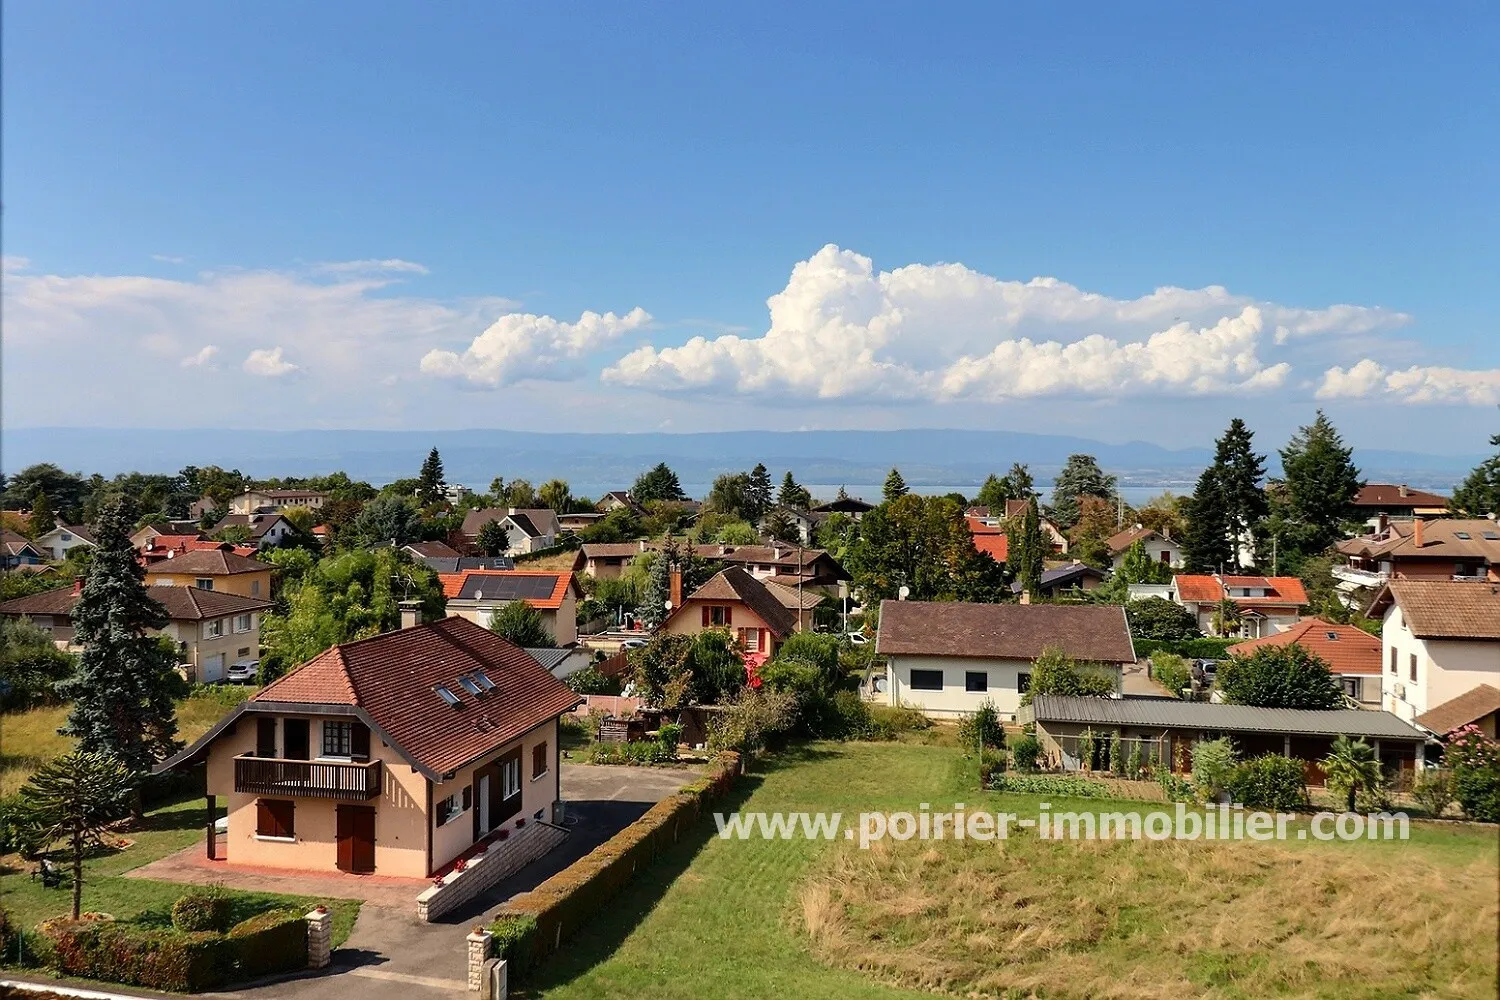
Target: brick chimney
{"points": [[411, 614], [77, 585], [675, 588], [1381, 524], [1416, 533]]}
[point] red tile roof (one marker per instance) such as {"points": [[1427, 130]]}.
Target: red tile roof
{"points": [[1346, 649], [1391, 495], [181, 603], [1123, 540], [1443, 609], [978, 527], [208, 562], [997, 547], [1199, 589], [1471, 706], [392, 678]]}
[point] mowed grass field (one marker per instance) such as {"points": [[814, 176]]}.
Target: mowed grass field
{"points": [[820, 919]]}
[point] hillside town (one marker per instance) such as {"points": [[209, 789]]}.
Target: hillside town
{"points": [[405, 671]]}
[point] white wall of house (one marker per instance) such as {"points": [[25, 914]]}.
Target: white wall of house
{"points": [[1001, 684], [1156, 548], [56, 544], [1445, 668]]}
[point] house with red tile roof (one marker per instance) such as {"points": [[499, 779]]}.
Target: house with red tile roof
{"points": [[1352, 654], [476, 594], [1267, 604], [761, 614], [982, 516], [1160, 547], [1398, 502], [394, 755], [1441, 640]]}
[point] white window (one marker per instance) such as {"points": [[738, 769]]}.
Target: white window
{"points": [[242, 623], [1351, 687], [213, 629], [510, 779], [204, 583]]}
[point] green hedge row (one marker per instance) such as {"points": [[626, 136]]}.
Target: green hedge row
{"points": [[181, 963], [533, 925], [1193, 649]]}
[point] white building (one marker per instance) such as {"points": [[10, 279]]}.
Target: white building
{"points": [[947, 658], [57, 543], [1440, 639]]}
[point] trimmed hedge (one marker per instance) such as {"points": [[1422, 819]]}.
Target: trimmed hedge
{"points": [[180, 962], [202, 910], [534, 924], [1193, 649]]}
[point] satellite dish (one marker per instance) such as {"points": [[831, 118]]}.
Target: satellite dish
{"points": [[904, 592]]}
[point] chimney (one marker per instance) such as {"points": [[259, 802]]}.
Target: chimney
{"points": [[675, 588], [411, 614], [1403, 490], [643, 545], [1381, 523], [77, 585], [1416, 532]]}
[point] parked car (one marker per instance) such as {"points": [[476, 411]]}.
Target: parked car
{"points": [[632, 643], [243, 672]]}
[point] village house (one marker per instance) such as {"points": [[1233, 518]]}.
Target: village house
{"points": [[1420, 549], [608, 560], [218, 569], [1060, 581], [1266, 604], [1352, 654], [989, 538], [789, 565], [1397, 503], [1165, 729], [617, 500], [270, 501], [477, 594], [854, 507], [760, 614], [392, 755], [160, 547], [1440, 640], [1160, 547], [264, 530], [16, 551], [946, 658], [57, 543], [212, 630], [804, 522], [528, 529], [1479, 707]]}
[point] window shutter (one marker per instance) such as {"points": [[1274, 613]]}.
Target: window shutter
{"points": [[265, 823], [728, 614], [360, 741], [705, 616], [284, 811]]}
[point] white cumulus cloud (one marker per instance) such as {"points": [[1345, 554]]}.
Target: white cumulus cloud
{"points": [[1417, 384], [202, 358], [946, 332], [267, 362], [523, 345]]}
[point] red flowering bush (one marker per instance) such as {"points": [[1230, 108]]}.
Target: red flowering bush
{"points": [[1475, 760]]}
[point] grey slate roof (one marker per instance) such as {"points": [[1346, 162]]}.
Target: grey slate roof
{"points": [[549, 657], [1168, 713]]}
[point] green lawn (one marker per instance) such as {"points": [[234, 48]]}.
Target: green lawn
{"points": [[166, 829], [734, 915]]}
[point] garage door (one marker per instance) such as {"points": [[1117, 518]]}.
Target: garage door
{"points": [[211, 669]]}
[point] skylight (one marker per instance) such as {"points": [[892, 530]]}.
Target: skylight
{"points": [[1332, 636], [469, 686], [484, 680], [447, 696], [1462, 534], [1493, 536]]}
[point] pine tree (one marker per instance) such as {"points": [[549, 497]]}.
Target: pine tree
{"points": [[43, 519], [895, 486], [657, 483], [992, 495], [1479, 494], [1080, 476], [1321, 482], [1025, 550], [122, 690], [1019, 485], [792, 494], [759, 494], [430, 480], [1205, 539], [1239, 472]]}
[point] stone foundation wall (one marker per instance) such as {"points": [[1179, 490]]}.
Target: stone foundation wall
{"points": [[502, 859]]}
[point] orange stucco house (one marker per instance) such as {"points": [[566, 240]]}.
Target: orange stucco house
{"points": [[759, 613], [391, 755], [217, 569]]}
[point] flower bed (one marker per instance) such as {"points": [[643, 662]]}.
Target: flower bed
{"points": [[535, 923]]}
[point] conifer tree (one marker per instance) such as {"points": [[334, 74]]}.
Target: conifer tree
{"points": [[1321, 483], [1205, 539], [1479, 494], [895, 486], [758, 493], [430, 480], [1025, 550], [43, 519], [792, 494], [123, 687], [1240, 471], [1080, 477]]}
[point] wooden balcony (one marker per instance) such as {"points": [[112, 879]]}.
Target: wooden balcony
{"points": [[319, 779]]}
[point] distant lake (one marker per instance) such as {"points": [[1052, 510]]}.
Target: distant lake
{"points": [[1133, 495]]}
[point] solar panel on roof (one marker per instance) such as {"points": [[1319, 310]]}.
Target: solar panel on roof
{"points": [[469, 686], [447, 696], [512, 588]]}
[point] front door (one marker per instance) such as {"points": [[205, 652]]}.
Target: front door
{"points": [[483, 801], [355, 835]]}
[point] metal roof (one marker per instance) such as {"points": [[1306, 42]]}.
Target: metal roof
{"points": [[1167, 713]]}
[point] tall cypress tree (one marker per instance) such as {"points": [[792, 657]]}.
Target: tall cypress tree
{"points": [[122, 690], [1205, 539], [895, 486], [1321, 483], [792, 494], [430, 479], [1025, 550], [43, 519], [1239, 472]]}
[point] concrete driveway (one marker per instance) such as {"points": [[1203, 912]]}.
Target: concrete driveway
{"points": [[391, 955]]}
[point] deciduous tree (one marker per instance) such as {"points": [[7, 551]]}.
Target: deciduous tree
{"points": [[522, 624], [1279, 677], [43, 519]]}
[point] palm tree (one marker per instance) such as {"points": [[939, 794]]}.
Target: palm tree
{"points": [[1351, 767], [1226, 618]]}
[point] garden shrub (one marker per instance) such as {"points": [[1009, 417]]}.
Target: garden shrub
{"points": [[1175, 787], [1475, 760], [1192, 649], [1171, 671], [1269, 781], [642, 753], [590, 681], [669, 736], [1047, 784], [1213, 768], [900, 718], [271, 942], [757, 719], [991, 762], [205, 909], [563, 903], [981, 729], [134, 956], [1433, 790], [512, 941], [1026, 751]]}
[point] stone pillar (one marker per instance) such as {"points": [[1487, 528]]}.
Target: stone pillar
{"points": [[479, 950], [319, 938]]}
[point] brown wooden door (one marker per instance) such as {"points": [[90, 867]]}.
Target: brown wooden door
{"points": [[356, 839]]}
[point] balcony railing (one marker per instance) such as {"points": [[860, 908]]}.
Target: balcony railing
{"points": [[1359, 577], [319, 779]]}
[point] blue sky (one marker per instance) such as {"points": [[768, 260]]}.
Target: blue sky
{"points": [[381, 215]]}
